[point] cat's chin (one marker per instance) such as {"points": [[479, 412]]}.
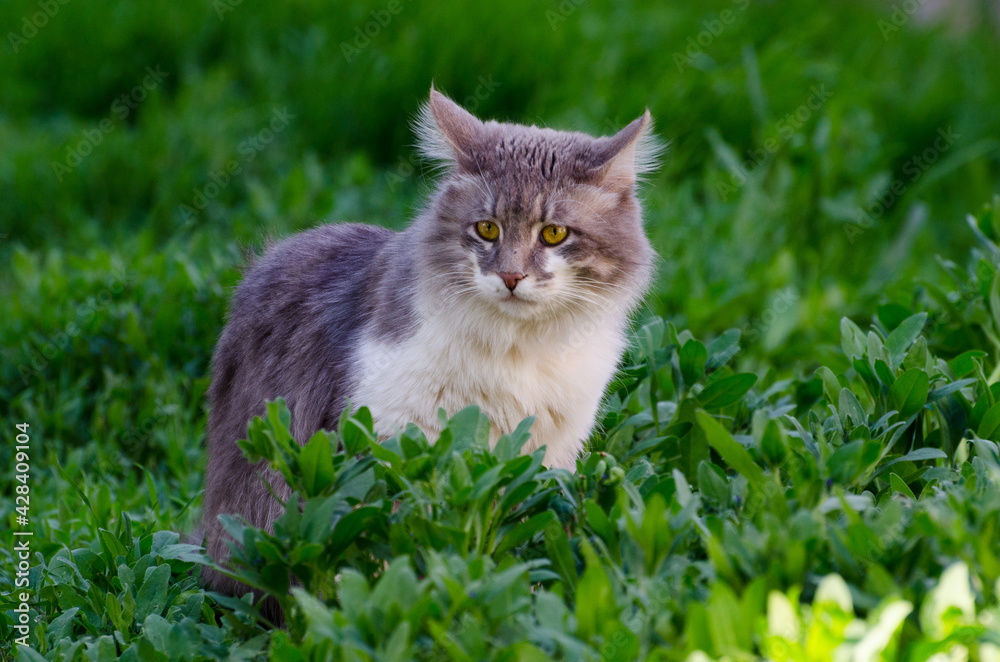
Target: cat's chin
{"points": [[519, 307]]}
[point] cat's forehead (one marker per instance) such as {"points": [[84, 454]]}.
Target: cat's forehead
{"points": [[526, 174], [531, 155]]}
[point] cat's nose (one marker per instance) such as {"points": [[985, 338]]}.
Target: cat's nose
{"points": [[510, 279]]}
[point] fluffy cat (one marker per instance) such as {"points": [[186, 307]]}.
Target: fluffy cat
{"points": [[511, 290]]}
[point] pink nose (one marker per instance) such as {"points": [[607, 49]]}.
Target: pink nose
{"points": [[511, 280]]}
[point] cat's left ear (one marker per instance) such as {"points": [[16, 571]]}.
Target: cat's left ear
{"points": [[447, 131], [622, 159]]}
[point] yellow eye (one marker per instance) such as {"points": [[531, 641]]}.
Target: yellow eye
{"points": [[554, 234], [488, 231]]}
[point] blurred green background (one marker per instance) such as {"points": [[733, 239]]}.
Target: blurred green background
{"points": [[821, 156]]}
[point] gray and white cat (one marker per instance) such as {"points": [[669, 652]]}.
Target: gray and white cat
{"points": [[511, 290]]}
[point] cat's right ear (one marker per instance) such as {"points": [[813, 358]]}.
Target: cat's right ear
{"points": [[620, 160], [447, 132]]}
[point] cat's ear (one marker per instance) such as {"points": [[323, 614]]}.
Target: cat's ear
{"points": [[619, 161], [447, 132]]}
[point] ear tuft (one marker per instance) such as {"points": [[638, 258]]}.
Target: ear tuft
{"points": [[624, 158], [446, 132]]}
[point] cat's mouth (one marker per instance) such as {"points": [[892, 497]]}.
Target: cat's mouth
{"points": [[517, 307], [512, 301]]}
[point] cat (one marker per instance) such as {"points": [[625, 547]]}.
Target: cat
{"points": [[512, 290]]}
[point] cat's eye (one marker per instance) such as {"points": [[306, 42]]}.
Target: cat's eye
{"points": [[487, 230], [554, 234]]}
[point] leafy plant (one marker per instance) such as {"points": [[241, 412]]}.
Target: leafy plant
{"points": [[800, 447]]}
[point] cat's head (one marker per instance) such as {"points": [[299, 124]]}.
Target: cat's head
{"points": [[531, 222]]}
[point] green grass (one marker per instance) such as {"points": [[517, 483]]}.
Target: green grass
{"points": [[801, 450]]}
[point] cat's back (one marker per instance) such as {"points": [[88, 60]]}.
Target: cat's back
{"points": [[292, 321], [319, 262]]}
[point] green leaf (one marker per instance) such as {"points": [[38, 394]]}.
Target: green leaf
{"points": [[595, 601], [470, 428], [727, 390], [732, 452], [397, 586], [831, 386], [915, 456], [850, 408], [773, 443], [128, 608], [994, 300], [316, 464], [559, 552], [989, 424], [28, 654], [352, 525], [948, 389], [111, 545], [876, 349], [903, 336], [846, 464], [866, 373], [965, 362], [884, 373], [509, 445], [892, 315], [692, 359], [60, 626], [152, 594], [984, 275], [523, 532], [899, 485], [712, 483], [909, 393], [723, 348], [917, 356], [114, 611], [730, 632], [852, 340], [598, 521]]}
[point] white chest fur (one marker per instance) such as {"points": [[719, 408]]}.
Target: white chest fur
{"points": [[451, 363]]}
